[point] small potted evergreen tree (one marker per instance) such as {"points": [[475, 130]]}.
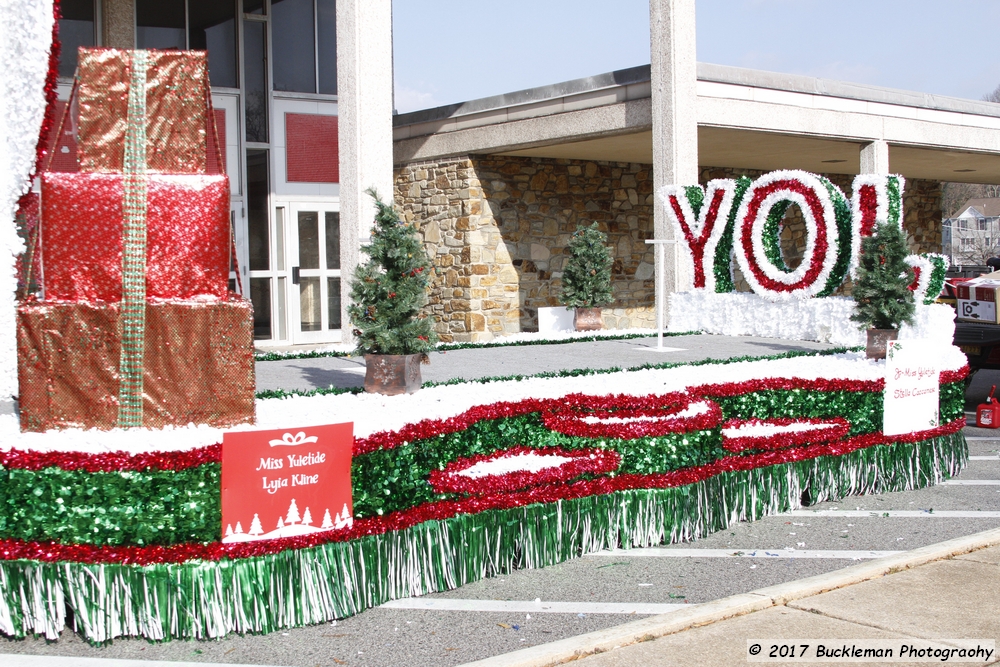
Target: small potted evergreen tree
{"points": [[387, 293], [586, 280], [883, 300]]}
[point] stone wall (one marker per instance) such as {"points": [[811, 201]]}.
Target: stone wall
{"points": [[497, 229]]}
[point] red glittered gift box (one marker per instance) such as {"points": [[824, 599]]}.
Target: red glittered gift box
{"points": [[187, 236], [198, 364]]}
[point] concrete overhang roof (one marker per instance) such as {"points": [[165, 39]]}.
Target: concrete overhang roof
{"points": [[746, 118]]}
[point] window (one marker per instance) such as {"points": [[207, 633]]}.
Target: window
{"points": [[76, 29], [966, 242], [160, 24], [983, 225], [304, 45], [212, 27], [294, 45]]}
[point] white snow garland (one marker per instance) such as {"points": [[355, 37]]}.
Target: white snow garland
{"points": [[521, 462], [696, 408], [764, 430], [372, 413], [826, 319], [25, 38]]}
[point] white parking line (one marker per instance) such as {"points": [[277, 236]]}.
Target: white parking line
{"points": [[985, 458], [12, 660], [979, 438], [743, 553], [971, 482], [527, 606], [897, 514]]}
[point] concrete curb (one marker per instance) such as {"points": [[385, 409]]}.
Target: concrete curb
{"points": [[645, 629]]}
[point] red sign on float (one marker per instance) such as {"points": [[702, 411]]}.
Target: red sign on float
{"points": [[286, 482]]}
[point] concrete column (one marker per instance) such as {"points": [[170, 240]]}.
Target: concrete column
{"points": [[674, 79], [118, 23], [364, 82], [875, 157]]}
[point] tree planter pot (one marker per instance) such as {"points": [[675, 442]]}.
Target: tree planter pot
{"points": [[393, 374], [878, 341], [587, 319]]}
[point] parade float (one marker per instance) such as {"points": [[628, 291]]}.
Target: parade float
{"points": [[128, 508]]}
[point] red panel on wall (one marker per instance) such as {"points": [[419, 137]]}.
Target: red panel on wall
{"points": [[312, 151], [212, 165]]}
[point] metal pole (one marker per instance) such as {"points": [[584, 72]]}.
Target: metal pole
{"points": [[660, 288], [661, 269]]}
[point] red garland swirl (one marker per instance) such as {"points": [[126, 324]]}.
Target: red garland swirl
{"points": [[837, 428], [653, 415], [581, 461], [429, 428]]}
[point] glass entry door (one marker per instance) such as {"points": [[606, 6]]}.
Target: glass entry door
{"points": [[315, 262]]}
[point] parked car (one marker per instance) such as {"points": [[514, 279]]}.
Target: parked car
{"points": [[980, 341]]}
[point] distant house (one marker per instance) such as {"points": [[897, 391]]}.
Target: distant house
{"points": [[973, 236]]}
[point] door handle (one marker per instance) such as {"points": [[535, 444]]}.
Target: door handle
{"points": [[295, 275]]}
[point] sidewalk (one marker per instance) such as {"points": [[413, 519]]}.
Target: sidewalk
{"points": [[949, 590]]}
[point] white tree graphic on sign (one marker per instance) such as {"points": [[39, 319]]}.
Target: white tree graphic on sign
{"points": [[293, 514], [307, 518], [255, 527]]}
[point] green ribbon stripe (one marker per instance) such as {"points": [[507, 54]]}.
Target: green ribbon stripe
{"points": [[133, 306]]}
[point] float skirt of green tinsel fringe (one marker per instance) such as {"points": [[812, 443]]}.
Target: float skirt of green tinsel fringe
{"points": [[206, 599]]}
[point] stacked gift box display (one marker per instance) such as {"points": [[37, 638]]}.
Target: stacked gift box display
{"points": [[135, 324]]}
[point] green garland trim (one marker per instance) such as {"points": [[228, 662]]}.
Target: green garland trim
{"points": [[845, 229], [723, 265], [895, 200], [114, 508], [583, 372], [448, 347], [575, 372], [936, 283], [201, 599], [771, 234]]}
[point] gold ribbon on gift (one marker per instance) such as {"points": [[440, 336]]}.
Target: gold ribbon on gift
{"points": [[133, 313]]}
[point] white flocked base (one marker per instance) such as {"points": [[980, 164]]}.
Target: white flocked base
{"points": [[826, 320]]}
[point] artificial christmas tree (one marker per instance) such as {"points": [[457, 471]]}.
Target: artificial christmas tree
{"points": [[586, 281], [881, 292], [387, 293]]}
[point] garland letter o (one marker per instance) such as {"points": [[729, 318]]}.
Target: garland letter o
{"points": [[758, 247]]}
